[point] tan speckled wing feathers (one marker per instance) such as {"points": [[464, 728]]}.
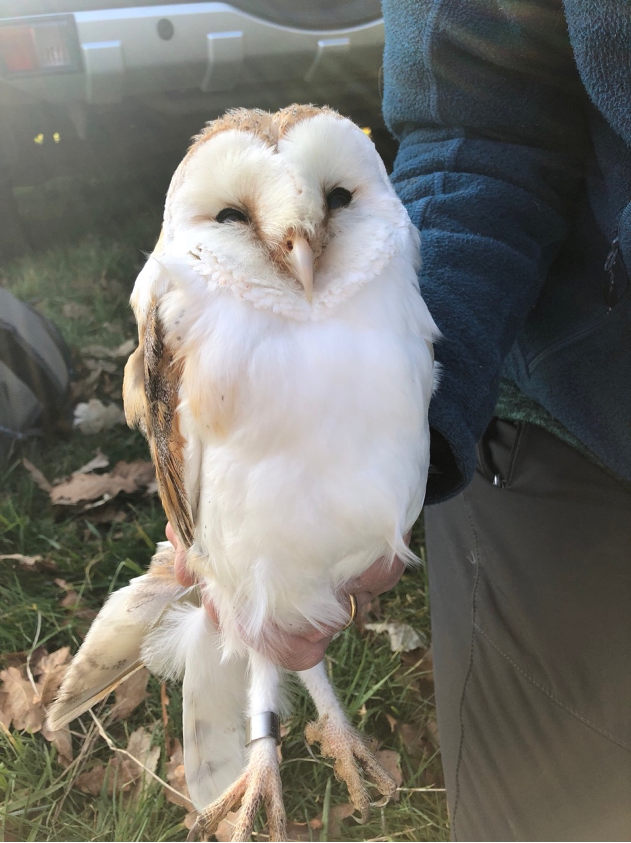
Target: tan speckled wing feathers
{"points": [[151, 396]]}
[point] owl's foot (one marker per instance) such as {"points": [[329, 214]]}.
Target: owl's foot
{"points": [[351, 754], [259, 783]]}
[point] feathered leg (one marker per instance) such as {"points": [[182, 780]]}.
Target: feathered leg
{"points": [[260, 781], [341, 742]]}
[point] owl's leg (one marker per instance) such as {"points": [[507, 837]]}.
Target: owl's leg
{"points": [[260, 781], [341, 742]]}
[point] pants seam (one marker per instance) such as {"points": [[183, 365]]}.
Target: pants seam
{"points": [[548, 694], [470, 666]]}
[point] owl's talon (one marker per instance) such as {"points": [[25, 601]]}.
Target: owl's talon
{"points": [[259, 783], [350, 753]]}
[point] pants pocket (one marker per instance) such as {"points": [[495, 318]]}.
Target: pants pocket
{"points": [[496, 451]]}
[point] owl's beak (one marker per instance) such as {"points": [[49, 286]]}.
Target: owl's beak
{"points": [[300, 261]]}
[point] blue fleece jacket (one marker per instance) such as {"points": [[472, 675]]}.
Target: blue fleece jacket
{"points": [[514, 119]]}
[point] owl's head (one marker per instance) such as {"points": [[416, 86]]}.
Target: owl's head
{"points": [[292, 210]]}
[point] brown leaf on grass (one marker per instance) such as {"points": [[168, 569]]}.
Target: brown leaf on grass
{"points": [[122, 773], [82, 489], [176, 777], [431, 729], [99, 460], [372, 608], [91, 781], [304, 831], [36, 474], [61, 740], [122, 350], [336, 814], [189, 820], [71, 600], [95, 416], [392, 722], [226, 827], [413, 740], [30, 563], [402, 636], [421, 743], [74, 603], [22, 704], [130, 694], [51, 669], [5, 717], [391, 763], [139, 746]]}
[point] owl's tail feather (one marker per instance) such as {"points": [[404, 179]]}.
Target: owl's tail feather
{"points": [[214, 696], [111, 651]]}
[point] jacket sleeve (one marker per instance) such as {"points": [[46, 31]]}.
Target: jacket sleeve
{"points": [[488, 107]]}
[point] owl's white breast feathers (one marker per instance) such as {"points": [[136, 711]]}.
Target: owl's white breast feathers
{"points": [[311, 438]]}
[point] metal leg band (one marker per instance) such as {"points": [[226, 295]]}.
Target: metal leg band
{"points": [[263, 725]]}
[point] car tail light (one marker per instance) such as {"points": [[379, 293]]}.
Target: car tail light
{"points": [[44, 45]]}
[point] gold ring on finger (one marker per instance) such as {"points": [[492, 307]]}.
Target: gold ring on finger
{"points": [[353, 601]]}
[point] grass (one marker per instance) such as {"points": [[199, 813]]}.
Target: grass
{"points": [[382, 690]]}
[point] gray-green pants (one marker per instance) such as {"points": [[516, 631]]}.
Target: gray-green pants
{"points": [[530, 588]]}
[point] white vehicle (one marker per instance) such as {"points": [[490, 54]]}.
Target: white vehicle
{"points": [[113, 72]]}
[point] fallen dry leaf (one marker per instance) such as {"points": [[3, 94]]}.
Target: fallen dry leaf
{"points": [[123, 350], [30, 563], [121, 772], [61, 740], [189, 820], [71, 600], [402, 637], [5, 717], [419, 739], [51, 669], [96, 416], [391, 763], [139, 746], [22, 703], [336, 814], [130, 694], [392, 722], [36, 474], [226, 827], [91, 781], [82, 488], [99, 460], [176, 777]]}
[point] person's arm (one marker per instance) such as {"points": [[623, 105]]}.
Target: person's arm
{"points": [[486, 102]]}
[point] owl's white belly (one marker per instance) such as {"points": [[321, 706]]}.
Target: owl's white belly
{"points": [[319, 466]]}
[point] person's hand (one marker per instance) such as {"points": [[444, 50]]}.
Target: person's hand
{"points": [[300, 652]]}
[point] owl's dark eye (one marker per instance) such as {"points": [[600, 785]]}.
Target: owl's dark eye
{"points": [[340, 197], [231, 215]]}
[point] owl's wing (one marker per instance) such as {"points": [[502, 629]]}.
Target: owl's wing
{"points": [[111, 651], [151, 394]]}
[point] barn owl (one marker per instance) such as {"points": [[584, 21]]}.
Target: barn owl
{"points": [[282, 378]]}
